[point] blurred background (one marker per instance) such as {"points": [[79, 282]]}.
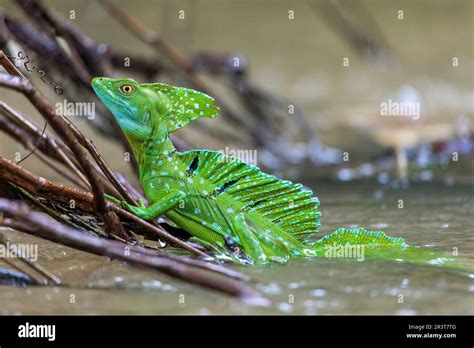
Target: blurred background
{"points": [[333, 62]]}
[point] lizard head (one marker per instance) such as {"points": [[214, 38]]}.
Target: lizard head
{"points": [[132, 105], [141, 109]]}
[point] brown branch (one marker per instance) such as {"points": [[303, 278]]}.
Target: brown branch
{"points": [[42, 187], [33, 278], [45, 47], [54, 148], [92, 54], [39, 187], [89, 145], [148, 36], [9, 66], [113, 224], [28, 142], [25, 131], [49, 229], [53, 56], [157, 230], [48, 19], [35, 11]]}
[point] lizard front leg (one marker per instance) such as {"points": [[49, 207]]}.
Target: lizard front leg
{"points": [[161, 204]]}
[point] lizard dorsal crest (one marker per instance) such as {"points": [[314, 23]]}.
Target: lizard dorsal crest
{"points": [[185, 105], [281, 202]]}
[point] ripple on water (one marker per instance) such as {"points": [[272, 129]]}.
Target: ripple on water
{"points": [[392, 291], [204, 311], [405, 311], [156, 284], [296, 285], [318, 292], [373, 293], [270, 288], [285, 307], [405, 283], [151, 284], [315, 304]]}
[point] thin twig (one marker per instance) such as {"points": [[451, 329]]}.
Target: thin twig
{"points": [[58, 149], [24, 138]]}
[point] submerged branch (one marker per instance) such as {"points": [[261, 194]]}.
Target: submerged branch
{"points": [[54, 192], [49, 229]]}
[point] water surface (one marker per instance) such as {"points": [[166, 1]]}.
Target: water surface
{"points": [[434, 216]]}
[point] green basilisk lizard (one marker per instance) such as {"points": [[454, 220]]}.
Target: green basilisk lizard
{"points": [[226, 204]]}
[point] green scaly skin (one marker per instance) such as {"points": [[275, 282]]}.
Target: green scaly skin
{"points": [[227, 205]]}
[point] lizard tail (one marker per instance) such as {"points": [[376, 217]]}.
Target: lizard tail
{"points": [[360, 236], [362, 244]]}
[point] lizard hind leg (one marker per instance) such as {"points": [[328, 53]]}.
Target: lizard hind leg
{"points": [[257, 244]]}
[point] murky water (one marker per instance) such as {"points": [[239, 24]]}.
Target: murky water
{"points": [[433, 216]]}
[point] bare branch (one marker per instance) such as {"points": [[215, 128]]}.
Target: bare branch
{"points": [[61, 128], [49, 229]]}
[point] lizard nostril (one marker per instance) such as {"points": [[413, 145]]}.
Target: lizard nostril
{"points": [[97, 79]]}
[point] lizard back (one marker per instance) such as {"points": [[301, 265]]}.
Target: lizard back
{"points": [[272, 201]]}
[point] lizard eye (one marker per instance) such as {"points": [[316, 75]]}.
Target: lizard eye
{"points": [[126, 89]]}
